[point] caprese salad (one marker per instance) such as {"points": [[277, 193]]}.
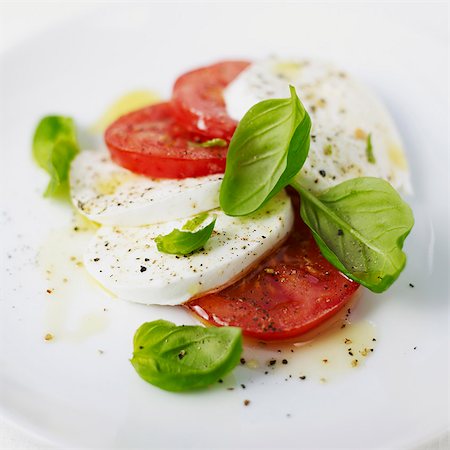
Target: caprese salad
{"points": [[259, 212]]}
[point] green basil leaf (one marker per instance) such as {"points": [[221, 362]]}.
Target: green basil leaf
{"points": [[360, 226], [369, 150], [54, 147], [181, 358], [59, 165], [184, 242], [268, 148], [192, 224]]}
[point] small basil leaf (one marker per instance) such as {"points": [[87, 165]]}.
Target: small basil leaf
{"points": [[181, 358], [184, 242], [268, 148], [192, 224], [360, 226], [54, 147], [59, 165]]}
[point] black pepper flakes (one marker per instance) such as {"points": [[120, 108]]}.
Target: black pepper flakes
{"points": [[285, 361], [323, 173], [143, 269], [242, 361], [340, 232], [411, 285]]}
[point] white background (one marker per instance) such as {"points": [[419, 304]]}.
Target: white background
{"points": [[18, 22], [21, 20]]}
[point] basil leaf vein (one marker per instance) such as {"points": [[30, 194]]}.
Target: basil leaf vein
{"points": [[179, 242], [181, 358], [268, 148], [54, 147], [360, 226]]}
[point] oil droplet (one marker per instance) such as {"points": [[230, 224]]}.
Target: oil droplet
{"points": [[288, 69], [337, 349], [335, 352], [397, 156], [109, 185], [69, 314], [129, 102], [89, 325]]}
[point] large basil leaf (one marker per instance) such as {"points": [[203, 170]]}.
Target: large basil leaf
{"points": [[360, 226], [54, 147], [180, 358], [268, 148]]}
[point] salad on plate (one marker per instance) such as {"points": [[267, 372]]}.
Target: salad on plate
{"points": [[262, 196]]}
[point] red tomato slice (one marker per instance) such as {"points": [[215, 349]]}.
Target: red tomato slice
{"points": [[151, 142], [288, 294], [198, 99]]}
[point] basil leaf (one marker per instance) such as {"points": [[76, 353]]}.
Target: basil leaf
{"points": [[184, 242], [192, 224], [62, 155], [360, 226], [369, 150], [181, 358], [54, 147], [268, 148]]}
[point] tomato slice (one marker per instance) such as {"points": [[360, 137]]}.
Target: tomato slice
{"points": [[198, 99], [151, 142], [289, 293]]}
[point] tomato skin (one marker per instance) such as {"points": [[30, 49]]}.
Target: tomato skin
{"points": [[151, 142], [198, 99], [291, 292]]}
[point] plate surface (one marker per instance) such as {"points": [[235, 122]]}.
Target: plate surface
{"points": [[79, 389]]}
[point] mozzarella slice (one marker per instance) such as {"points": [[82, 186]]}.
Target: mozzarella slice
{"points": [[111, 195], [343, 114], [127, 262]]}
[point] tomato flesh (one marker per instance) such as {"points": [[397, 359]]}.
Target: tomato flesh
{"points": [[289, 293], [151, 142], [198, 99]]}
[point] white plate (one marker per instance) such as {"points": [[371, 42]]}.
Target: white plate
{"points": [[69, 393]]}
